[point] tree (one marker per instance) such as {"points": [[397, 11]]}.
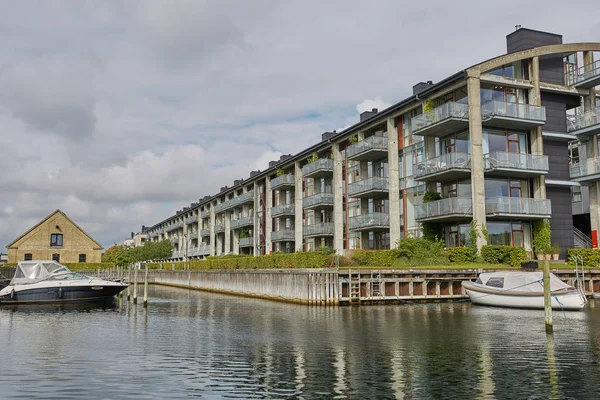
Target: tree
{"points": [[110, 254]]}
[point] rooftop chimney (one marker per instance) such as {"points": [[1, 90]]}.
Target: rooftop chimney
{"points": [[421, 86], [328, 135], [284, 157], [237, 182], [252, 173], [272, 164], [224, 188], [368, 114]]}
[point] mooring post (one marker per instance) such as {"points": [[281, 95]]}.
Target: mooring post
{"points": [[135, 283], [145, 284], [547, 297], [128, 282]]}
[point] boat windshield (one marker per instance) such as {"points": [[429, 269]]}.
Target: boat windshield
{"points": [[67, 276], [34, 271]]}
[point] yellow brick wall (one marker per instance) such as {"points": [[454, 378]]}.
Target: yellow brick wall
{"points": [[37, 242]]}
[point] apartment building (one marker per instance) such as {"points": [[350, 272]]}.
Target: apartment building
{"points": [[494, 142]]}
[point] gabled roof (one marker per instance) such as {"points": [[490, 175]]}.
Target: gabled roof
{"points": [[46, 219]]}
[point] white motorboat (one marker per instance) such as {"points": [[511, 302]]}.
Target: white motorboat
{"points": [[51, 282], [522, 290]]}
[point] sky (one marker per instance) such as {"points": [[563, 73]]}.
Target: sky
{"points": [[119, 113]]}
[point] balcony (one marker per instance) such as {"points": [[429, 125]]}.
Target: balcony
{"points": [[586, 124], [243, 198], [585, 171], [451, 166], [174, 226], [221, 207], [240, 223], [193, 235], [443, 120], [205, 232], [587, 76], [517, 207], [177, 254], [370, 149], [370, 188], [501, 114], [323, 167], [219, 228], [283, 210], [370, 222], [174, 239], [283, 235], [247, 242], [515, 165], [203, 250], [204, 214], [283, 182], [319, 200], [450, 209], [319, 229]]}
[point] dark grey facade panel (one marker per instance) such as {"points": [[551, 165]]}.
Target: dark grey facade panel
{"points": [[523, 39], [556, 112], [561, 222], [558, 158], [552, 70]]}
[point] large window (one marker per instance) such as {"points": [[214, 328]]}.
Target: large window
{"points": [[28, 257], [56, 240]]}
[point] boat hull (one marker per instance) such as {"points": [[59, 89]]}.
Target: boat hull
{"points": [[62, 294], [571, 300]]}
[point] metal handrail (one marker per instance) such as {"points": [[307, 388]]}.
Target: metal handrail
{"points": [[582, 73], [373, 183], [517, 205], [323, 198], [495, 108], [581, 121], [369, 220], [439, 114], [448, 206], [324, 164], [287, 180], [505, 159], [370, 143], [441, 163], [591, 166], [319, 229]]}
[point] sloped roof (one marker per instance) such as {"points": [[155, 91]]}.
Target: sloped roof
{"points": [[46, 219]]}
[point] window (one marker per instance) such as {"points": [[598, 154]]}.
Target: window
{"points": [[495, 282], [574, 155], [82, 258], [575, 194], [56, 257], [28, 257], [56, 240]]}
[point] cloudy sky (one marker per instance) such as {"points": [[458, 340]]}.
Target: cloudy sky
{"points": [[121, 112]]}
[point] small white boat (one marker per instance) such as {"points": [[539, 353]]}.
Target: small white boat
{"points": [[522, 290], [51, 282]]}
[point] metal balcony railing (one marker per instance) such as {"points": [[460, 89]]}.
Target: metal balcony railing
{"points": [[319, 199], [580, 124], [203, 250], [319, 229], [284, 209], [515, 161], [516, 111], [174, 226], [439, 115], [193, 235], [283, 235], [283, 181], [247, 242], [205, 232], [370, 144], [521, 206], [219, 228], [440, 209], [238, 223], [441, 164], [373, 184], [191, 220], [373, 220], [322, 166], [585, 168], [242, 199], [204, 214], [579, 76]]}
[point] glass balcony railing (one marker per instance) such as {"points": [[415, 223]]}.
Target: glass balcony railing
{"points": [[204, 214], [205, 232], [203, 250], [177, 254], [368, 187], [441, 120], [219, 228], [191, 220], [584, 124], [283, 235], [373, 147], [284, 209], [319, 229], [192, 235], [445, 208], [174, 226], [589, 168], [238, 223], [319, 199], [586, 76], [503, 161], [283, 181], [443, 164], [512, 115], [236, 201], [506, 206], [369, 221], [320, 167]]}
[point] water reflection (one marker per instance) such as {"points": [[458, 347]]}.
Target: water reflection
{"points": [[196, 344]]}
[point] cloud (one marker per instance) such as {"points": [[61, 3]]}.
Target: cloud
{"points": [[368, 105]]}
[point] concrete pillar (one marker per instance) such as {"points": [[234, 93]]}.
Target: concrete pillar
{"points": [[184, 240], [236, 241], [256, 226], [338, 199], [589, 102], [298, 207], [476, 136], [227, 234], [268, 219], [213, 249], [537, 139], [394, 183]]}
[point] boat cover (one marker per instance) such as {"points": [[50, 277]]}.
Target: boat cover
{"points": [[35, 271], [521, 281]]}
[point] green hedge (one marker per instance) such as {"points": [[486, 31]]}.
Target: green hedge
{"points": [[375, 258], [504, 255], [591, 257], [461, 254], [76, 266]]}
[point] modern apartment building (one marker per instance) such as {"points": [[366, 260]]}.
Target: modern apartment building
{"points": [[495, 141]]}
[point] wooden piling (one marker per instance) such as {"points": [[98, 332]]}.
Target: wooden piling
{"points": [[145, 285], [135, 283], [547, 297], [129, 282]]}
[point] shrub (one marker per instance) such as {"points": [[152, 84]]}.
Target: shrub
{"points": [[542, 237], [421, 252], [462, 254], [591, 257], [375, 258], [504, 255]]}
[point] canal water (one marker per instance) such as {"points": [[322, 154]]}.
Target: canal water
{"points": [[191, 344]]}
